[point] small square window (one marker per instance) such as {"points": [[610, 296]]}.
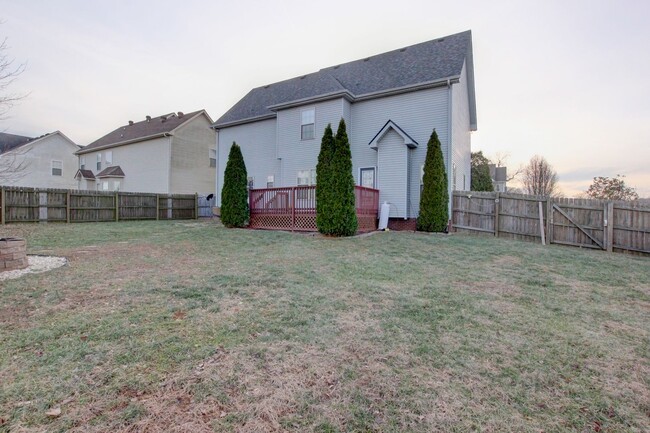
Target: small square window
{"points": [[82, 163], [109, 158], [213, 157], [270, 181], [307, 124], [57, 168]]}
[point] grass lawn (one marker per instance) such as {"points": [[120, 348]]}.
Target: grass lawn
{"points": [[188, 326]]}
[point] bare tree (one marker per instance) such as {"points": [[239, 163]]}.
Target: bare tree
{"points": [[539, 177], [501, 160], [12, 161], [611, 188], [8, 74]]}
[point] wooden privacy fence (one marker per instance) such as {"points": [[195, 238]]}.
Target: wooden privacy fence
{"points": [[588, 223], [72, 206], [294, 208]]}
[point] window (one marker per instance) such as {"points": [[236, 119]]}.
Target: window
{"points": [[367, 177], [307, 120], [105, 185], [306, 178], [116, 185], [270, 180], [109, 158], [57, 168], [213, 157], [82, 163], [99, 162]]}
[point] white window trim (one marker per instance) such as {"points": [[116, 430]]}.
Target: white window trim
{"points": [[374, 167], [52, 167], [212, 155], [109, 163], [303, 124]]}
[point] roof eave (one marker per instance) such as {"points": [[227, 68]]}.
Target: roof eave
{"points": [[243, 121], [325, 97], [454, 79], [122, 143]]}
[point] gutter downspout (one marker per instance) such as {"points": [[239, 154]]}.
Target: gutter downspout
{"points": [[217, 193], [450, 171], [169, 167]]}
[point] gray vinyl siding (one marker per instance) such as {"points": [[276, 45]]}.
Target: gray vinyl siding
{"points": [[300, 154], [393, 188], [417, 113], [258, 144], [145, 165], [461, 137]]}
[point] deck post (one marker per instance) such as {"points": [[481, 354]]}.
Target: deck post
{"points": [[293, 207]]}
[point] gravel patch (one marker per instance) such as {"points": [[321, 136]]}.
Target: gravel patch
{"points": [[37, 264]]}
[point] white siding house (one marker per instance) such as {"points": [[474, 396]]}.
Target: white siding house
{"points": [[170, 154], [391, 104], [47, 161]]}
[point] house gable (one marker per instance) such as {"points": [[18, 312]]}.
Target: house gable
{"points": [[392, 126]]}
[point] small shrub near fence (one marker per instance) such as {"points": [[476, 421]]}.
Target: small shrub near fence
{"points": [[61, 205]]}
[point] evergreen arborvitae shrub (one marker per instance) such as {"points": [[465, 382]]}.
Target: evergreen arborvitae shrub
{"points": [[234, 195], [343, 212], [324, 182], [434, 202]]}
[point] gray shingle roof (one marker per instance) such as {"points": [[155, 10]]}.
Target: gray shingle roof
{"points": [[11, 141], [113, 171], [426, 62], [86, 174], [138, 130]]}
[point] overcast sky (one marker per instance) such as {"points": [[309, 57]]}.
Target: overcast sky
{"points": [[569, 80]]}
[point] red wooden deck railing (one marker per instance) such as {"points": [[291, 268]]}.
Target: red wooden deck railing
{"points": [[294, 208]]}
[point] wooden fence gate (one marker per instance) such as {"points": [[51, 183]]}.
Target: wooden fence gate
{"points": [[586, 223]]}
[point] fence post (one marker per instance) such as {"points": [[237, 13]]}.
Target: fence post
{"points": [[609, 226], [117, 206], [549, 220], [67, 207], [157, 207], [497, 208], [3, 197], [170, 207], [196, 205]]}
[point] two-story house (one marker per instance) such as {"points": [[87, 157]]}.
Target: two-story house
{"points": [[390, 102], [170, 154], [47, 161]]}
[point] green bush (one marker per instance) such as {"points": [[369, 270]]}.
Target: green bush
{"points": [[343, 212], [434, 202], [234, 195], [324, 182]]}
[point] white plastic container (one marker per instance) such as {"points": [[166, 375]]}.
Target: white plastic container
{"points": [[383, 216]]}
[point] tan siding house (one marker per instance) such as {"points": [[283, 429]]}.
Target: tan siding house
{"points": [[47, 161], [168, 154]]}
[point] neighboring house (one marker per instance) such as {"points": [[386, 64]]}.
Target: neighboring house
{"points": [[170, 154], [499, 176], [391, 103], [47, 161]]}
